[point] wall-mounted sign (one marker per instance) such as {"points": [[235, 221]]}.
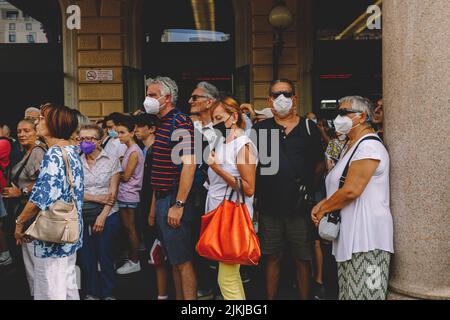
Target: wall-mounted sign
{"points": [[99, 75]]}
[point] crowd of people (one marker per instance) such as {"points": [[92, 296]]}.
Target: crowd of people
{"points": [[144, 181]]}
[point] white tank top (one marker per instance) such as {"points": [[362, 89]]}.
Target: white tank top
{"points": [[226, 154]]}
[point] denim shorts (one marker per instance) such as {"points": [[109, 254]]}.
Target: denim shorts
{"points": [[130, 205], [177, 242]]}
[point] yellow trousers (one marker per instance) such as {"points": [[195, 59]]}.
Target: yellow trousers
{"points": [[230, 282]]}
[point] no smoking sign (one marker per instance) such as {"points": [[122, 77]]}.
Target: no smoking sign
{"points": [[99, 75]]}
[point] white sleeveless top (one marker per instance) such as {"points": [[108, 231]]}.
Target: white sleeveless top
{"points": [[226, 155], [366, 222]]}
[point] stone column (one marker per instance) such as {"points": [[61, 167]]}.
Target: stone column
{"points": [[416, 74]]}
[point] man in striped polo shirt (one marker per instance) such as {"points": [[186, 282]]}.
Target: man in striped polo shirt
{"points": [[171, 182]]}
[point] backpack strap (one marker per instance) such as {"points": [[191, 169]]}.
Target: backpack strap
{"points": [[172, 126], [307, 127]]}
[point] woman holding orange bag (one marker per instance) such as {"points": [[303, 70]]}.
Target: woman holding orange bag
{"points": [[235, 156]]}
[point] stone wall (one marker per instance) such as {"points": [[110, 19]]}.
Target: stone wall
{"points": [[262, 44], [100, 46]]}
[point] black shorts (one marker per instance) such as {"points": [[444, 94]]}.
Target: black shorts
{"points": [[295, 230]]}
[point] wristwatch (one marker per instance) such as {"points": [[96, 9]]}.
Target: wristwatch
{"points": [[179, 204]]}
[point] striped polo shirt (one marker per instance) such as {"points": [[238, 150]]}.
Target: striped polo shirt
{"points": [[165, 174]]}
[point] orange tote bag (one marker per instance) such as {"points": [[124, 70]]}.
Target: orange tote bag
{"points": [[227, 234]]}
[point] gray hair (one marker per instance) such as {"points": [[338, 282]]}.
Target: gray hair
{"points": [[361, 104], [168, 87], [83, 120], [6, 130], [32, 109], [98, 131], [210, 90]]}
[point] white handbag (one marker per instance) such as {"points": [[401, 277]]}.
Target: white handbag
{"points": [[59, 223]]}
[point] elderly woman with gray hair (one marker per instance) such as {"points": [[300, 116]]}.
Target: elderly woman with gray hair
{"points": [[364, 244]]}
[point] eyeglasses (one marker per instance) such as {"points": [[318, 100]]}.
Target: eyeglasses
{"points": [[195, 97], [344, 112], [90, 139], [287, 94]]}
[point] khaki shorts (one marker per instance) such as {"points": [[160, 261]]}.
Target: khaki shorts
{"points": [[277, 231]]}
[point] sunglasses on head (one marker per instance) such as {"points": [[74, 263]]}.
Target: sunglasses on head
{"points": [[344, 112], [195, 97], [287, 94]]}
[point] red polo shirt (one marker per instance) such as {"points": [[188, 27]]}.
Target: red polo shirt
{"points": [[5, 150]]}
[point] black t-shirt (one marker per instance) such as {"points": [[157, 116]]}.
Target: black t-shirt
{"points": [[298, 154]]}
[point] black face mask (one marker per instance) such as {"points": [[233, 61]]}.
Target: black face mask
{"points": [[221, 128]]}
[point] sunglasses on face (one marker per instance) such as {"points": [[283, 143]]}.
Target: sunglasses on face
{"points": [[287, 94], [195, 97], [344, 112]]}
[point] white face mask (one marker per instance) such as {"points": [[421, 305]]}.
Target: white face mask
{"points": [[282, 105], [342, 137], [314, 120], [343, 124], [152, 105]]}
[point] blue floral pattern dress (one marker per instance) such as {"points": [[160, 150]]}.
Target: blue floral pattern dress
{"points": [[52, 185]]}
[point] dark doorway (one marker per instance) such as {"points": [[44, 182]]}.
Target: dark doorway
{"points": [[348, 54], [189, 41], [31, 60]]}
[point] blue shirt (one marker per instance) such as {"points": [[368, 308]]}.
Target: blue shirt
{"points": [[52, 185]]}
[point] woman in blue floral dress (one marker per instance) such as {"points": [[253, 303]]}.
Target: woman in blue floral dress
{"points": [[54, 270]]}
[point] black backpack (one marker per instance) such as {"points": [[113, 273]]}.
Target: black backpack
{"points": [[15, 155]]}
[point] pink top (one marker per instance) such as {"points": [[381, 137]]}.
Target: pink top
{"points": [[129, 191]]}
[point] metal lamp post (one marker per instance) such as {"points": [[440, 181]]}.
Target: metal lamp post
{"points": [[280, 19]]}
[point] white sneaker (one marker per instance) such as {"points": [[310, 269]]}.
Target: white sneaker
{"points": [[129, 267], [89, 297], [5, 259]]}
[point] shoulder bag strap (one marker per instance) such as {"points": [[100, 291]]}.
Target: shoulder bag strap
{"points": [[103, 145], [69, 175], [22, 167], [345, 172]]}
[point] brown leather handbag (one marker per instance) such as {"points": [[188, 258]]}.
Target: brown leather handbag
{"points": [[227, 233], [59, 223]]}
